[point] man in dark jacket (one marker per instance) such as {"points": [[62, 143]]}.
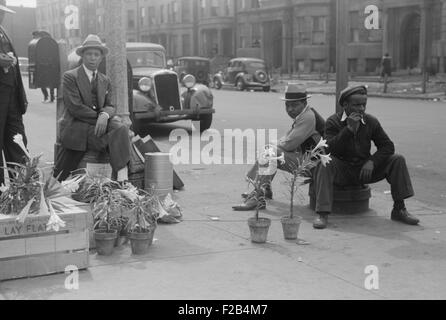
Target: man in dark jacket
{"points": [[349, 135], [13, 101], [89, 121]]}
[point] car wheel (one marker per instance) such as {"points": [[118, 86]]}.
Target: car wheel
{"points": [[205, 122], [217, 84], [266, 89], [240, 85]]}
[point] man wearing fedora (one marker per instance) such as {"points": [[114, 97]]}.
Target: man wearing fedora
{"points": [[89, 121], [349, 135], [13, 102], [305, 133]]}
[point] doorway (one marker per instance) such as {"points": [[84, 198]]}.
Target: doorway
{"points": [[410, 41]]}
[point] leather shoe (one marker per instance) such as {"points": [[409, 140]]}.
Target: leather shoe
{"points": [[268, 194], [402, 215], [250, 204], [321, 221]]}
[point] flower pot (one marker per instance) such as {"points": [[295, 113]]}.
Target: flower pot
{"points": [[259, 229], [290, 227], [105, 241], [141, 241]]}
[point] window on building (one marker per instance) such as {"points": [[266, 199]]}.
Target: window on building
{"points": [[354, 26], [317, 65], [318, 32], [202, 8], [255, 35], [214, 8], [352, 65], [185, 12], [151, 16], [174, 45], [131, 19], [187, 45], [227, 7], [142, 16], [255, 4], [175, 12], [373, 65], [243, 41], [304, 26], [300, 65]]}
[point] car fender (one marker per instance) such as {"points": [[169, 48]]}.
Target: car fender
{"points": [[238, 76], [199, 97], [142, 103]]}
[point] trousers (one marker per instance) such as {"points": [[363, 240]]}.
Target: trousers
{"points": [[115, 142], [342, 173], [11, 123]]}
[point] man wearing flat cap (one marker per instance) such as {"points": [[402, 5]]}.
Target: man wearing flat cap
{"points": [[89, 121], [349, 135], [13, 102], [305, 133]]}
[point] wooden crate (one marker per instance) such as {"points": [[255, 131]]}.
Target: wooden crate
{"points": [[28, 250]]}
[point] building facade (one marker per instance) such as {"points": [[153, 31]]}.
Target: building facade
{"points": [[291, 35], [20, 27]]}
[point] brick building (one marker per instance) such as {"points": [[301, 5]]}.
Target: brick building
{"points": [[294, 35]]}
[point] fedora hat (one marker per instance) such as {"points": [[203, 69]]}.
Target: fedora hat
{"points": [[3, 7], [295, 92], [92, 42]]}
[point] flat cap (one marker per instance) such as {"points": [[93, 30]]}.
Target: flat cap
{"points": [[349, 91]]}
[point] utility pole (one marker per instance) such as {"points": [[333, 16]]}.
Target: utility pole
{"points": [[117, 58], [341, 49], [426, 18]]}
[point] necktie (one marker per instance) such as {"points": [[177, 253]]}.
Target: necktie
{"points": [[93, 78]]}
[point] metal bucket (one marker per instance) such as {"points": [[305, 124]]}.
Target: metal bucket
{"points": [[159, 173]]}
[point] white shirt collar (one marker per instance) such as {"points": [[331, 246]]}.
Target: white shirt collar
{"points": [[89, 72], [344, 117]]}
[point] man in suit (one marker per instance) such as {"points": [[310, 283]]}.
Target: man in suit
{"points": [[302, 136], [13, 103], [89, 121], [349, 135]]}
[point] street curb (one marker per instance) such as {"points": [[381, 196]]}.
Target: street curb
{"points": [[432, 96]]}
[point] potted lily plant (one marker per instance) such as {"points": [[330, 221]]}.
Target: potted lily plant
{"points": [[142, 221], [301, 171], [259, 227]]}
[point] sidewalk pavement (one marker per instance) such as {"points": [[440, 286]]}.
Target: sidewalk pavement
{"points": [[209, 255], [407, 87]]}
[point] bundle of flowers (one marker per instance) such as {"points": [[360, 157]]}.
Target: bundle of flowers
{"points": [[29, 190]]}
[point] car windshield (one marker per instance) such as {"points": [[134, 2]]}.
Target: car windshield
{"points": [[141, 59], [197, 63]]}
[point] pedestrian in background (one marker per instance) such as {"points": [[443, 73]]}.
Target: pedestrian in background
{"points": [[13, 102], [47, 98], [386, 66]]}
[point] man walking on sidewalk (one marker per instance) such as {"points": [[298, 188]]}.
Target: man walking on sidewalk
{"points": [[349, 135], [13, 103], [89, 121]]}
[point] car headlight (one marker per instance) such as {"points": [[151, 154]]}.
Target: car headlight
{"points": [[189, 81], [145, 84]]}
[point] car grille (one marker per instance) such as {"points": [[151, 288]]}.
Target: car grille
{"points": [[167, 91]]}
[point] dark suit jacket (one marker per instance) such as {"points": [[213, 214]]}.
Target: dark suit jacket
{"points": [[5, 80], [79, 113]]}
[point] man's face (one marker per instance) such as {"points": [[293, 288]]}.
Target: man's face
{"points": [[2, 16], [295, 108], [92, 58], [356, 104]]}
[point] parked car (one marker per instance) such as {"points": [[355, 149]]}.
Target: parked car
{"points": [[197, 66], [244, 73], [23, 64], [157, 96]]}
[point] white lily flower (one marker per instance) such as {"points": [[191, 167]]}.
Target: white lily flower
{"points": [[5, 172], [322, 144], [72, 185], [18, 139], [55, 222], [44, 210], [325, 159], [3, 188], [25, 211]]}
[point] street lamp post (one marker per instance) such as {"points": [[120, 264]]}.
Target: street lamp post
{"points": [[341, 49], [117, 58]]}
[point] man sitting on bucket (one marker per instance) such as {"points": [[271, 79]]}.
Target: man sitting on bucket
{"points": [[349, 135], [304, 134], [89, 121]]}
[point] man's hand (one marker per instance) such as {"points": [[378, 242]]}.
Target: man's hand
{"points": [[353, 122], [6, 61], [101, 125], [367, 171]]}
